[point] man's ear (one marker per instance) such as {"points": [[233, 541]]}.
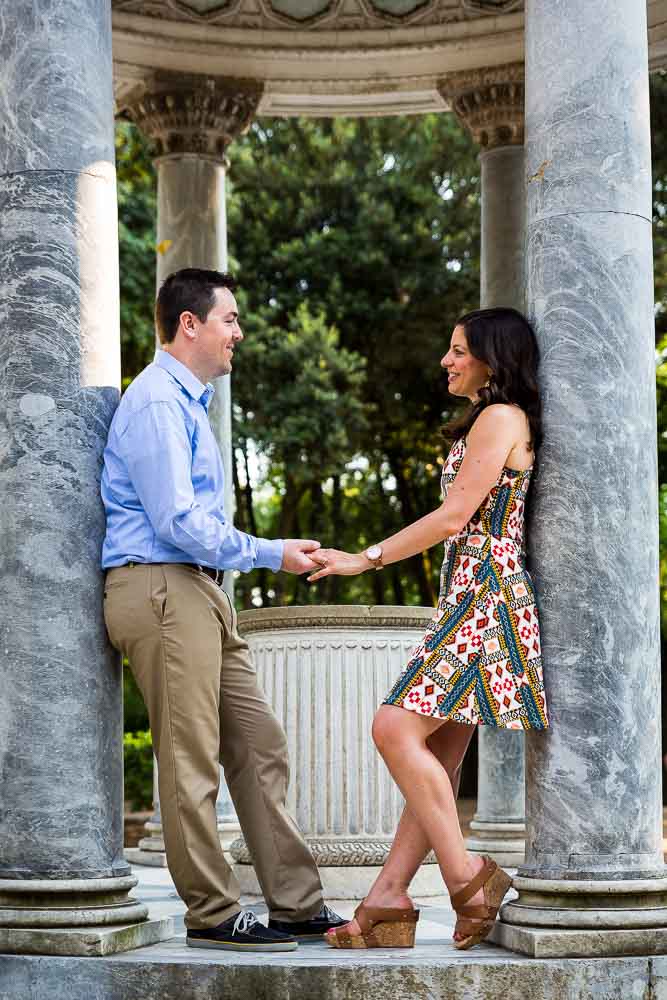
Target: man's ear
{"points": [[186, 322]]}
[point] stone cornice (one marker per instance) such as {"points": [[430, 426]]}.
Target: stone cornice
{"points": [[489, 102], [333, 616], [192, 113]]}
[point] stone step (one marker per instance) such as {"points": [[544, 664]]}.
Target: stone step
{"points": [[433, 969]]}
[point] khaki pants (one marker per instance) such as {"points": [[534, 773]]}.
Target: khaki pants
{"points": [[178, 631]]}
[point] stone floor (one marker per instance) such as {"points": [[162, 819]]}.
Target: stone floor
{"points": [[434, 970]]}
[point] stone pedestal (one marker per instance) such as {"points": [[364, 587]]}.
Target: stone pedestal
{"points": [[150, 849], [499, 823], [593, 882], [325, 671], [490, 104], [61, 854]]}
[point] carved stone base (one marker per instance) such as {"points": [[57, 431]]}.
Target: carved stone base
{"points": [[86, 941], [151, 851], [350, 881], [332, 852], [151, 859], [39, 903], [559, 918], [504, 842]]}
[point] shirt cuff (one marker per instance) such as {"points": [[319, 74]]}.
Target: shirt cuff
{"points": [[269, 553]]}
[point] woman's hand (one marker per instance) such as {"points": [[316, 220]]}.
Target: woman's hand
{"points": [[333, 562]]}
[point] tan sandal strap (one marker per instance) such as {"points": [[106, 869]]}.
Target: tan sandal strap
{"points": [[475, 884], [476, 912], [368, 916], [467, 927]]}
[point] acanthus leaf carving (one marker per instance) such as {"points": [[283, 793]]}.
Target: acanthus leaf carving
{"points": [[189, 113], [489, 102]]}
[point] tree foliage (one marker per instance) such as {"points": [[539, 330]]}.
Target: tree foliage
{"points": [[357, 246], [375, 225]]}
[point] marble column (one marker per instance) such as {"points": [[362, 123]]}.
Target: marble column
{"points": [[324, 670], [490, 104], [63, 880], [192, 120], [593, 882]]}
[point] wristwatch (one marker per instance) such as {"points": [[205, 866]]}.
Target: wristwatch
{"points": [[374, 556]]}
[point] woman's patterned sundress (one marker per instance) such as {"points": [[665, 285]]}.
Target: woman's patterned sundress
{"points": [[480, 660]]}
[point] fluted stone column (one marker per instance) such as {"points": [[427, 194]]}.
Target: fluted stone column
{"points": [[63, 880], [489, 103], [325, 670], [594, 880], [191, 120]]}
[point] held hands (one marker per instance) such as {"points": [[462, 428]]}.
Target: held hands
{"points": [[296, 555], [333, 562]]}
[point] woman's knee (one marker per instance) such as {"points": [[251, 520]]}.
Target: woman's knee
{"points": [[384, 730]]}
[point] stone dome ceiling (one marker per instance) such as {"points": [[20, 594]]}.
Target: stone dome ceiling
{"points": [[324, 14], [328, 57]]}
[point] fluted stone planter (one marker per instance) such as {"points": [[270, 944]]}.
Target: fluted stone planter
{"points": [[325, 670]]}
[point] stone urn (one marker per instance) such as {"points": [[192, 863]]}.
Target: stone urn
{"points": [[325, 670]]}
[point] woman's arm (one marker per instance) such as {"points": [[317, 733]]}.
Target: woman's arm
{"points": [[489, 442]]}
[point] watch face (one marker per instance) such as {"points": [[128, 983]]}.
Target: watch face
{"points": [[374, 552]]}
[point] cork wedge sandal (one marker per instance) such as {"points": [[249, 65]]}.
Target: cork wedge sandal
{"points": [[381, 927], [475, 922]]}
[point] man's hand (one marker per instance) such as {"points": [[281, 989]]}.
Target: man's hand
{"points": [[295, 558]]}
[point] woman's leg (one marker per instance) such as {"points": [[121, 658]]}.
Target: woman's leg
{"points": [[445, 745], [448, 744]]}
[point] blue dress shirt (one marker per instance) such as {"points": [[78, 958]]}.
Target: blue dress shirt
{"points": [[163, 479]]}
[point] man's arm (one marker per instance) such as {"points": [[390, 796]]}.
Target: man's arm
{"points": [[157, 452]]}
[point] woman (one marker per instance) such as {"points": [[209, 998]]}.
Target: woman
{"points": [[479, 661]]}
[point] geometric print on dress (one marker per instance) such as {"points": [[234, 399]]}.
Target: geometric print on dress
{"points": [[479, 660]]}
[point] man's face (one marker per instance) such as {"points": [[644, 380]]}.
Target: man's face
{"points": [[218, 335]]}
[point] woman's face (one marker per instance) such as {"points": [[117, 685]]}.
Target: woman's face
{"points": [[466, 374]]}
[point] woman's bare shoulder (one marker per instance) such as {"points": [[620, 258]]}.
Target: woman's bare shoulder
{"points": [[499, 416]]}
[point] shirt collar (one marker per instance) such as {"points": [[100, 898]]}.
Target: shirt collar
{"points": [[194, 388]]}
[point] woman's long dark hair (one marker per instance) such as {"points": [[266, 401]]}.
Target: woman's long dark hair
{"points": [[504, 339]]}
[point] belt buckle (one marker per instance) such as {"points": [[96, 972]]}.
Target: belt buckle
{"points": [[214, 574]]}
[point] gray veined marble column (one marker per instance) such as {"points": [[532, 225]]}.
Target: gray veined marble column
{"points": [[490, 104], [594, 881], [192, 120], [63, 880]]}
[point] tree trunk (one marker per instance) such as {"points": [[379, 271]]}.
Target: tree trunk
{"points": [[332, 590], [388, 528], [241, 520], [416, 563], [288, 527]]}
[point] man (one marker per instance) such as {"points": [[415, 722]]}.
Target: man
{"points": [[167, 544]]}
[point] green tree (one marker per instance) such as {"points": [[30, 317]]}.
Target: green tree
{"points": [[376, 225], [298, 399]]}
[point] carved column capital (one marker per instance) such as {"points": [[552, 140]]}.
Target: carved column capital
{"points": [[191, 113], [489, 102]]}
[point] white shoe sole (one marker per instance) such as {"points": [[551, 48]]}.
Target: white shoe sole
{"points": [[224, 946]]}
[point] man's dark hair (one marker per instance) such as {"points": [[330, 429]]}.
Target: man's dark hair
{"points": [[191, 289]]}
